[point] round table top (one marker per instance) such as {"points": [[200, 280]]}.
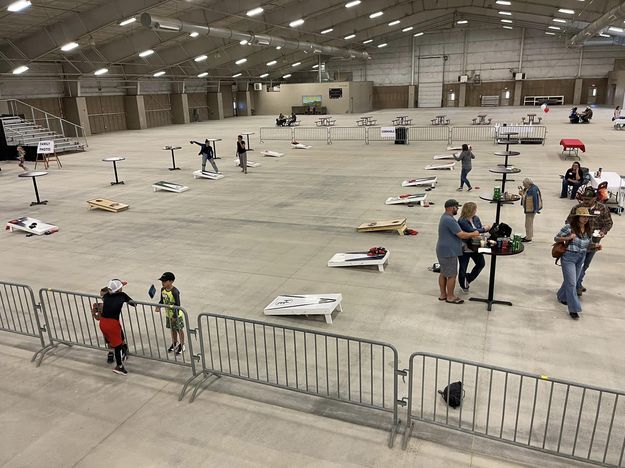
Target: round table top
{"points": [[114, 158], [172, 147], [505, 141], [507, 153], [32, 174], [505, 170], [248, 133], [508, 134], [489, 197], [212, 139], [500, 253]]}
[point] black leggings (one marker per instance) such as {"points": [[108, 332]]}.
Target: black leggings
{"points": [[118, 355]]}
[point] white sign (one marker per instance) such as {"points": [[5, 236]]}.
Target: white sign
{"points": [[387, 133], [45, 147]]}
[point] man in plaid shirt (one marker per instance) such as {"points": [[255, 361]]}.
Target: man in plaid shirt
{"points": [[601, 221]]}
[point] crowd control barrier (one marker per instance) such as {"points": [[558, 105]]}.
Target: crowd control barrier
{"points": [[567, 419], [341, 368], [19, 312], [470, 133]]}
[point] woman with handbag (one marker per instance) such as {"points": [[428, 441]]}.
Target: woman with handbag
{"points": [[578, 239], [532, 203]]}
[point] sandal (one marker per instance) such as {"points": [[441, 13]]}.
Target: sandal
{"points": [[442, 298], [455, 301]]}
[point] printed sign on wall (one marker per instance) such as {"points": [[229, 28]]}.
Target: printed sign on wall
{"points": [[45, 147]]}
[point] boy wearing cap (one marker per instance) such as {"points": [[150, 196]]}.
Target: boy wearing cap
{"points": [[170, 296], [112, 303]]}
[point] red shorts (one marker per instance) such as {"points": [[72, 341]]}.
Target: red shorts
{"points": [[112, 331]]}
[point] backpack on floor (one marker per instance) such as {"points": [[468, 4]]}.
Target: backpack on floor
{"points": [[453, 394]]}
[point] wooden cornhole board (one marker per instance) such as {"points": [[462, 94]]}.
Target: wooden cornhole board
{"points": [[249, 163], [351, 259], [306, 304], [31, 225], [169, 187], [422, 182], [107, 205], [441, 166], [410, 198], [273, 154], [398, 225], [439, 157], [207, 175], [300, 146]]}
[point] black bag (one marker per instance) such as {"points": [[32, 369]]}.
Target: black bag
{"points": [[499, 231], [453, 394]]}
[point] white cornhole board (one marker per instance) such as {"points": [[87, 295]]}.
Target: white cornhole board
{"points": [[207, 175], [411, 198], [350, 259], [444, 156], [454, 148], [300, 146], [249, 163], [24, 224], [306, 304], [273, 154], [169, 187], [422, 182], [441, 166]]}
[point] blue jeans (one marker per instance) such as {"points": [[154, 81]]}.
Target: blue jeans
{"points": [[572, 264], [463, 178], [589, 256], [565, 188], [479, 261]]}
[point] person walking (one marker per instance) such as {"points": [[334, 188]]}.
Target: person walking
{"points": [[465, 156], [112, 303], [21, 157], [600, 223], [206, 151], [532, 203], [578, 238], [448, 249], [573, 178], [242, 154], [470, 222]]}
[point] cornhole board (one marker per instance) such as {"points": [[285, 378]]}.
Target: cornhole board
{"points": [[408, 198], [273, 154], [438, 157], [31, 225], [422, 182], [169, 187], [441, 166], [300, 146], [306, 304], [106, 205], [398, 225], [249, 163], [207, 175], [351, 259], [454, 148]]}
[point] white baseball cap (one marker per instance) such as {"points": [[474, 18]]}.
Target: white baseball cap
{"points": [[116, 284]]}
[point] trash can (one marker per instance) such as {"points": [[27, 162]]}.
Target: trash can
{"points": [[401, 135]]}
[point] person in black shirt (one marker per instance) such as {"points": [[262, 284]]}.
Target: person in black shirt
{"points": [[112, 303], [242, 154], [206, 151], [574, 178]]}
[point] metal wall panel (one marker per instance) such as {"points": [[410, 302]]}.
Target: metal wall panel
{"points": [[106, 113]]}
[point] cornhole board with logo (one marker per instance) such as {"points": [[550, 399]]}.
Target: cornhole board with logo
{"points": [[306, 304], [351, 259], [106, 205], [441, 166], [398, 225], [422, 182], [249, 163], [439, 157], [273, 154], [300, 146], [409, 198], [169, 187], [31, 225], [207, 175]]}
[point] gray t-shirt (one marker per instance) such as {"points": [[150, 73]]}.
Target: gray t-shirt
{"points": [[465, 157], [449, 244]]}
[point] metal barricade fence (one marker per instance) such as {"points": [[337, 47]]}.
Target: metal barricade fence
{"points": [[311, 134], [336, 367], [433, 133], [275, 133], [19, 313], [70, 322], [375, 134], [526, 133], [563, 418], [347, 134], [470, 133]]}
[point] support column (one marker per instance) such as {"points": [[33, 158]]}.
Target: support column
{"points": [[577, 91], [75, 109], [412, 89], [462, 95], [135, 113], [244, 101], [518, 92], [180, 108], [215, 106]]}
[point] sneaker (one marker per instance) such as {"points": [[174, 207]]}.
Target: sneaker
{"points": [[582, 289], [172, 348], [110, 357], [574, 315], [459, 189], [120, 370], [469, 189], [464, 290], [180, 349], [525, 239]]}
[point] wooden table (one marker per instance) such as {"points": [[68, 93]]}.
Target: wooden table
{"points": [[33, 175], [114, 160], [440, 120]]}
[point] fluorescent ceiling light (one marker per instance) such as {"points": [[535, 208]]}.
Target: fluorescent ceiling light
{"points": [[20, 70], [550, 33], [255, 11], [273, 62], [243, 42], [349, 36], [240, 61], [352, 4], [69, 46], [264, 75], [288, 75], [566, 11], [503, 2], [296, 23], [367, 41], [376, 14], [506, 13], [315, 66], [409, 28], [557, 28], [615, 29], [559, 20], [128, 21], [296, 64], [159, 73], [326, 31], [236, 75], [146, 53], [462, 22], [19, 5], [506, 21], [384, 44], [393, 23], [200, 58], [202, 75], [194, 34], [507, 27], [418, 34], [101, 71]]}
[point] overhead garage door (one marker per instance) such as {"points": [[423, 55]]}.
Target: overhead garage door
{"points": [[430, 90]]}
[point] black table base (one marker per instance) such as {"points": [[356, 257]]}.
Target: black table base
{"points": [[38, 202], [117, 181], [173, 162]]}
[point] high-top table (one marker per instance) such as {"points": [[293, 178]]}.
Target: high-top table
{"points": [[247, 136], [173, 157], [213, 143], [114, 160], [33, 175]]}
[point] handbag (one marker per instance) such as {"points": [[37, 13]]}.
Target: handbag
{"points": [[558, 249]]}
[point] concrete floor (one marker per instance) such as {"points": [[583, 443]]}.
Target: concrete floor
{"points": [[236, 243]]}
